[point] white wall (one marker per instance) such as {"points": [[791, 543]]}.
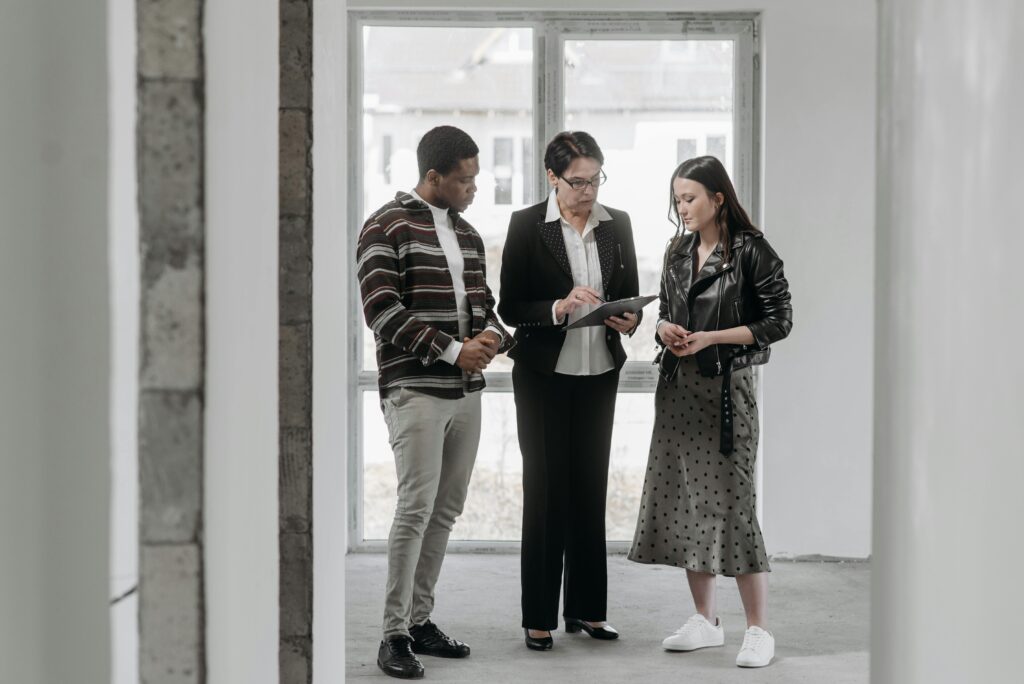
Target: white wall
{"points": [[241, 435], [55, 435], [818, 59], [331, 325], [124, 301], [947, 593], [819, 201]]}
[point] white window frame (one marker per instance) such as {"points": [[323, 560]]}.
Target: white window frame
{"points": [[550, 30]]}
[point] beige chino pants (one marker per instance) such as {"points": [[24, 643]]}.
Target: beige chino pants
{"points": [[434, 441]]}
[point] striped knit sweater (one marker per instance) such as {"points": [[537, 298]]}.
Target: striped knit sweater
{"points": [[409, 299]]}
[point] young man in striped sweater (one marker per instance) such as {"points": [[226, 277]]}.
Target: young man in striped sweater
{"points": [[421, 273]]}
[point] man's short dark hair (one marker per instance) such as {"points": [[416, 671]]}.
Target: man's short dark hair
{"points": [[569, 145], [442, 149]]}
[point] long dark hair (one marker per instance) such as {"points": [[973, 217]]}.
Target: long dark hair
{"points": [[732, 218]]}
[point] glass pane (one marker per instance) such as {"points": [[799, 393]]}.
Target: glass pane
{"points": [[649, 104], [494, 506], [479, 79]]}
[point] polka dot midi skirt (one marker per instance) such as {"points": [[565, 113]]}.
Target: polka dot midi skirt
{"points": [[698, 505]]}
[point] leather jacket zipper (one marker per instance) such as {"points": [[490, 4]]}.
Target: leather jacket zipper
{"points": [[686, 300], [718, 324], [681, 296]]}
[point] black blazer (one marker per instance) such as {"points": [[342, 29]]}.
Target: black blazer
{"points": [[535, 272]]}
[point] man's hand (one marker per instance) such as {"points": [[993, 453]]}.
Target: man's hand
{"points": [[490, 337], [476, 353]]}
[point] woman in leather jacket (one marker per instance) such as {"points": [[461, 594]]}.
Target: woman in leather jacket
{"points": [[724, 301]]}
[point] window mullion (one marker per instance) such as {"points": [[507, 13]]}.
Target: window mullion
{"points": [[549, 98]]}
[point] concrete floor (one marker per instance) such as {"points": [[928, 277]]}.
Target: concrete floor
{"points": [[818, 613]]}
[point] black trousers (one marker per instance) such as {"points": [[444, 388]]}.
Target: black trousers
{"points": [[565, 434]]}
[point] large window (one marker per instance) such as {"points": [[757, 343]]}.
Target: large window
{"points": [[652, 91]]}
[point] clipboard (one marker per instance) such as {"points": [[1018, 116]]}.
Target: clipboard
{"points": [[608, 309]]}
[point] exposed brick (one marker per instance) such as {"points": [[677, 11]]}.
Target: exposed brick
{"points": [[296, 588], [170, 163], [170, 615], [295, 488], [296, 55], [296, 660], [169, 38], [172, 324], [295, 376], [170, 466], [295, 173], [296, 270]]}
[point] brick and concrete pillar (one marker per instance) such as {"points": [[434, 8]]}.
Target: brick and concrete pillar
{"points": [[171, 234]]}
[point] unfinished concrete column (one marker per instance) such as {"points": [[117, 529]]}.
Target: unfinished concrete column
{"points": [[171, 227], [295, 360]]}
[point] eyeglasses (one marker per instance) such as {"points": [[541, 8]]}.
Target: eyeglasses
{"points": [[580, 183]]}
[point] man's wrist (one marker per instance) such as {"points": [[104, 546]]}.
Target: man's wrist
{"points": [[451, 353]]}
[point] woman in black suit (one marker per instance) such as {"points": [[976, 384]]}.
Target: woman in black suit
{"points": [[562, 256]]}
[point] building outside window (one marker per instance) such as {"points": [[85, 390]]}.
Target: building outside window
{"points": [[686, 148]]}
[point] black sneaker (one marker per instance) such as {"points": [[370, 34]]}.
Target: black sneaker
{"points": [[396, 659], [428, 639]]}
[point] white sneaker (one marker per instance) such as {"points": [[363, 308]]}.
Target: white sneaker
{"points": [[757, 650], [696, 633]]}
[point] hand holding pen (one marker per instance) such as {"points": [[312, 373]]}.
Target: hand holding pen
{"points": [[577, 296]]}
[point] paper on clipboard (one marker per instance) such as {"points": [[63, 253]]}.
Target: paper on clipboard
{"points": [[608, 309]]}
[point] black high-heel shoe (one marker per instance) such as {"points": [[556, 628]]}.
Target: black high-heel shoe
{"points": [[538, 643], [606, 633]]}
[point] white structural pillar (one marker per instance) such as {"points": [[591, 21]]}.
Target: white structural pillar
{"points": [[240, 430], [949, 444], [55, 435], [331, 283]]}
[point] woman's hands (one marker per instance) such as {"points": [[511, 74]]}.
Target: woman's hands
{"points": [[623, 324], [673, 336], [682, 342], [577, 296]]}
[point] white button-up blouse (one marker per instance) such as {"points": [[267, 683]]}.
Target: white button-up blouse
{"points": [[585, 351]]}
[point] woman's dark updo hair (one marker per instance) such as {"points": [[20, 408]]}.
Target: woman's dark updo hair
{"points": [[732, 219], [569, 145]]}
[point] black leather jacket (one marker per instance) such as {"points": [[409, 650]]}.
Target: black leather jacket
{"points": [[748, 290]]}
